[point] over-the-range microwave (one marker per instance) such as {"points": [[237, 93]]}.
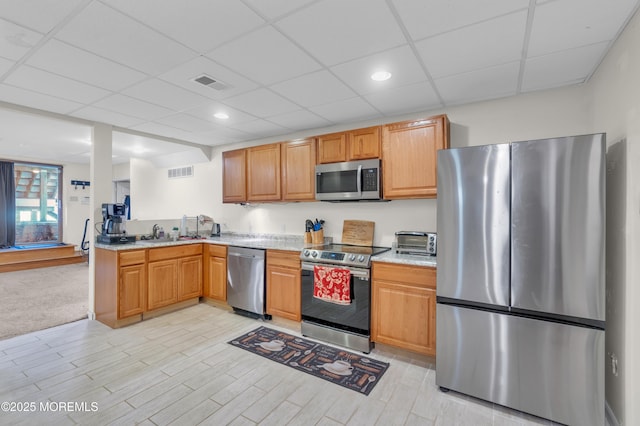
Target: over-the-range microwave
{"points": [[349, 181]]}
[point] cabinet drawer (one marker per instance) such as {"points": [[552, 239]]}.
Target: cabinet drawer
{"points": [[217, 251], [289, 259], [417, 275], [133, 257], [162, 253]]}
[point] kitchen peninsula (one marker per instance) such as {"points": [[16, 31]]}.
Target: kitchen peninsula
{"points": [[148, 278]]}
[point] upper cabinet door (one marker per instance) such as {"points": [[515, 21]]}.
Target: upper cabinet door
{"points": [[364, 143], [234, 183], [409, 157], [298, 170], [263, 173], [332, 148]]}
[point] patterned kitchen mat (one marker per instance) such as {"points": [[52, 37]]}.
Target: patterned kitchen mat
{"points": [[353, 371]]}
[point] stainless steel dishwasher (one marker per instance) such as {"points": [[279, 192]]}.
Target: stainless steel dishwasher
{"points": [[246, 281]]}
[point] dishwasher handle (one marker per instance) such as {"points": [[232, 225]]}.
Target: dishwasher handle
{"points": [[245, 256]]}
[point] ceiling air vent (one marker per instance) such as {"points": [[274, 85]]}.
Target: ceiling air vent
{"points": [[208, 81], [180, 172]]}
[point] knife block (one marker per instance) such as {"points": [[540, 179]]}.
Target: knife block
{"points": [[317, 237], [307, 237]]}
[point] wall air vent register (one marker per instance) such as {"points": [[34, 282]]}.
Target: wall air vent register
{"points": [[180, 172]]}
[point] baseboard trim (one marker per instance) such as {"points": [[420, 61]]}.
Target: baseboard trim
{"points": [[609, 416]]}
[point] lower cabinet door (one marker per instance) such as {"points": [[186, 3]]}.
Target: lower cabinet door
{"points": [[189, 277], [216, 287], [163, 278], [131, 290], [404, 316], [283, 292]]}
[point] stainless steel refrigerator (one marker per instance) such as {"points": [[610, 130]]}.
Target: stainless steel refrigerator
{"points": [[520, 286]]}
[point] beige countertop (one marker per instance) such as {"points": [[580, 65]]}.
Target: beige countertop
{"points": [[405, 259], [260, 241], [269, 242]]}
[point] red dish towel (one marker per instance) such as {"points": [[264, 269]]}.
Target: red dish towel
{"points": [[332, 284]]}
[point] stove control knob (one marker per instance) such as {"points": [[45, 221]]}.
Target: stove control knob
{"points": [[352, 257], [314, 254], [361, 258], [305, 253]]}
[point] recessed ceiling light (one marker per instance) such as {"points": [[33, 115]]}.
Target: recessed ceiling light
{"points": [[381, 76], [139, 150], [221, 115]]}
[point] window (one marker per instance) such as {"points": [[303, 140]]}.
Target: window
{"points": [[38, 204]]}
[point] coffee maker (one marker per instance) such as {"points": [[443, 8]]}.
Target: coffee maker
{"points": [[113, 225]]}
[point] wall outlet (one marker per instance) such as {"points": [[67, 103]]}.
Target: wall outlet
{"points": [[614, 364]]}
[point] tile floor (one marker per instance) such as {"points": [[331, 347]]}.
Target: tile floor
{"points": [[178, 369]]}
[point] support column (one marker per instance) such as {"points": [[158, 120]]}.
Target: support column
{"points": [[101, 173]]}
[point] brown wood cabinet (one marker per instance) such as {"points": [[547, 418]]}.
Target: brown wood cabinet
{"points": [[364, 143], [120, 285], [283, 284], [403, 306], [163, 283], [263, 173], [234, 180], [215, 272], [358, 144], [409, 157], [332, 148], [298, 170], [175, 274]]}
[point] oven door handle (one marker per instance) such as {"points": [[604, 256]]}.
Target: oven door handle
{"points": [[358, 273]]}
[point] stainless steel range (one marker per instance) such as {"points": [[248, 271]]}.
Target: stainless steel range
{"points": [[347, 322]]}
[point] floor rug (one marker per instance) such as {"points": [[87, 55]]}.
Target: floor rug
{"points": [[353, 371]]}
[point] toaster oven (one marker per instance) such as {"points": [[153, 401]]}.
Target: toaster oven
{"points": [[415, 242]]}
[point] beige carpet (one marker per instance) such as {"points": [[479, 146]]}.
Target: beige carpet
{"points": [[41, 298]]}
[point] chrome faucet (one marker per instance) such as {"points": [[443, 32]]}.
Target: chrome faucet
{"points": [[155, 231]]}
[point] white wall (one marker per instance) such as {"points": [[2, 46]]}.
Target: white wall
{"points": [[75, 203], [614, 102]]}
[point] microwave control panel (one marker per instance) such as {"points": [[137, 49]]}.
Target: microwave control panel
{"points": [[369, 179]]}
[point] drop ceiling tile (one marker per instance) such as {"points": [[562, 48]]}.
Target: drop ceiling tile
{"points": [[261, 128], [31, 99], [335, 31], [184, 75], [397, 100], [317, 88], [427, 18], [160, 92], [557, 26], [164, 130], [488, 83], [207, 111], [30, 78], [5, 65], [186, 122], [204, 24], [562, 68], [110, 34], [482, 45], [16, 41], [265, 56], [276, 8], [41, 16], [261, 103], [62, 59], [133, 107], [221, 135], [105, 116], [300, 120], [346, 111], [400, 62]]}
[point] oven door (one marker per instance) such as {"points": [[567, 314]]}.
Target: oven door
{"points": [[354, 317]]}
